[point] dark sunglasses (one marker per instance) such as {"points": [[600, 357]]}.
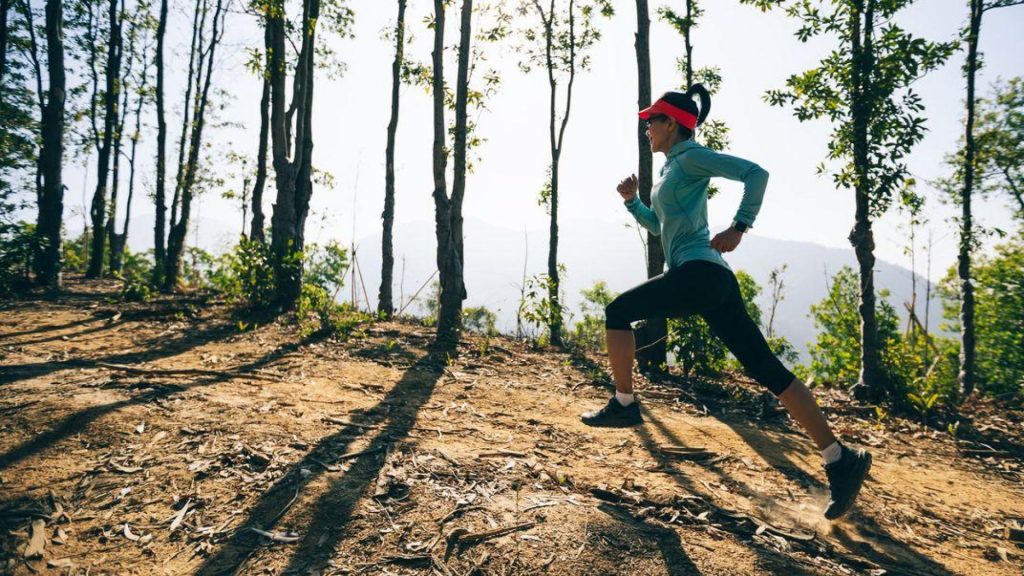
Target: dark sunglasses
{"points": [[655, 118]]}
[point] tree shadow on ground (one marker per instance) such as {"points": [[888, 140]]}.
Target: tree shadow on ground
{"points": [[647, 439], [332, 510], [776, 453], [79, 420], [153, 349], [677, 563], [48, 328], [883, 549]]}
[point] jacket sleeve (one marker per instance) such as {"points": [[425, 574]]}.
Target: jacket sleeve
{"points": [[705, 162], [644, 215]]}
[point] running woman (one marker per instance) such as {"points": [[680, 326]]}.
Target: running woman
{"points": [[699, 281]]}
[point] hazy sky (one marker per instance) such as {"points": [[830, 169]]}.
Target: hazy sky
{"points": [[754, 52]]}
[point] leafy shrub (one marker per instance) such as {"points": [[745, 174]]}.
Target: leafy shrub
{"points": [[998, 318], [245, 274], [325, 266], [588, 332], [16, 244], [317, 312], [536, 307], [481, 320], [136, 275], [921, 368]]}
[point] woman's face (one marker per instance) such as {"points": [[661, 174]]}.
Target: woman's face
{"points": [[660, 131]]}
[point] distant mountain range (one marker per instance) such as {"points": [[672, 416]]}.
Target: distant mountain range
{"points": [[594, 250]]}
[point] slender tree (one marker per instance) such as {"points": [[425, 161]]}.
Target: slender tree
{"points": [[186, 189], [385, 303], [561, 44], [18, 110], [714, 133], [292, 148], [966, 376], [160, 224], [142, 23], [37, 67], [449, 262], [115, 174], [260, 64], [865, 89], [652, 354], [51, 202], [98, 210]]}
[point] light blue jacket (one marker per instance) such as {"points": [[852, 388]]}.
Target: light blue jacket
{"points": [[679, 200]]}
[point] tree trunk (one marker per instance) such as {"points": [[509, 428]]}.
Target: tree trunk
{"points": [[453, 288], [555, 319], [51, 207], [179, 228], [294, 178], [448, 216], [188, 106], [118, 241], [283, 217], [966, 376], [112, 236], [98, 211], [654, 331], [159, 250], [385, 303], [872, 382], [38, 73], [256, 227], [304, 140]]}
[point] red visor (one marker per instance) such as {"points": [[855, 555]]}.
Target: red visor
{"points": [[662, 107]]}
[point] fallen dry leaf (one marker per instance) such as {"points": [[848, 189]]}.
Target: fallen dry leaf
{"points": [[37, 540]]}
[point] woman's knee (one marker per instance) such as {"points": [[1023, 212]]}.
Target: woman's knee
{"points": [[616, 315]]}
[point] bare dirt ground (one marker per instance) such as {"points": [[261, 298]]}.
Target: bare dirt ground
{"points": [[161, 438]]}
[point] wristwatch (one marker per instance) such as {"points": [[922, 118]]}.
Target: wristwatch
{"points": [[740, 226]]}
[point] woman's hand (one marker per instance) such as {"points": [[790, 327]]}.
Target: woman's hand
{"points": [[627, 188], [727, 240]]}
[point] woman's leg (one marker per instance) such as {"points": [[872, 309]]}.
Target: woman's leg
{"points": [[658, 297], [621, 350], [731, 323], [846, 468], [801, 405], [664, 296]]}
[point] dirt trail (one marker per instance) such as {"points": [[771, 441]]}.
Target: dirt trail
{"points": [[164, 440]]}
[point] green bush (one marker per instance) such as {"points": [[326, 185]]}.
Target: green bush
{"points": [[481, 320], [998, 318], [317, 312], [920, 368], [245, 274], [136, 275], [536, 307], [325, 266], [17, 241], [588, 332], [74, 254]]}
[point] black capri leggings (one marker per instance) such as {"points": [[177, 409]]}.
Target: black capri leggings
{"points": [[711, 290]]}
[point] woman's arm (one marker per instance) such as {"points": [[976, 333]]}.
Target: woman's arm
{"points": [[627, 188], [705, 162], [644, 215]]}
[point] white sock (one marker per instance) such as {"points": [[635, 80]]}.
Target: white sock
{"points": [[832, 453], [624, 399]]}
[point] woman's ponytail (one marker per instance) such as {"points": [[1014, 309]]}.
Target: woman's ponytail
{"points": [[705, 101]]}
